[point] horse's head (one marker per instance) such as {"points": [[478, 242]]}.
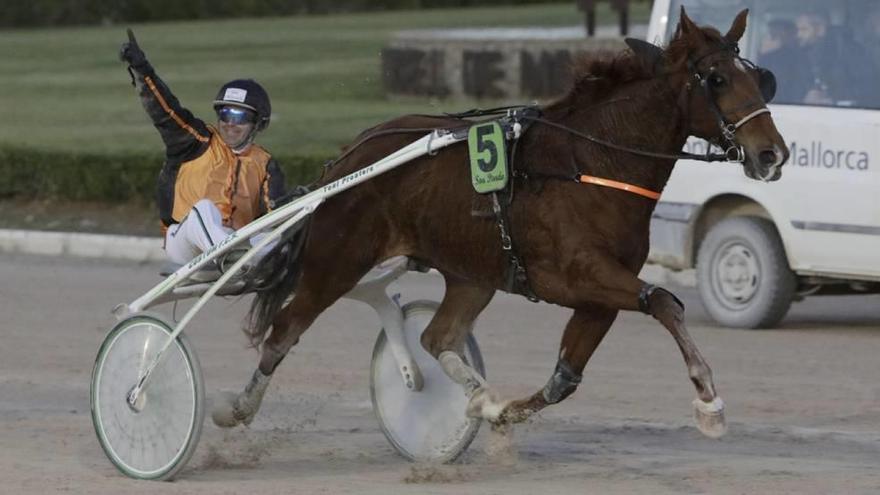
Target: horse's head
{"points": [[725, 96]]}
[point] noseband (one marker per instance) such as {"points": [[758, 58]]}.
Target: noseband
{"points": [[766, 83]]}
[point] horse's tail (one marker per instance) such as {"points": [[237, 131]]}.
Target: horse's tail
{"points": [[279, 270]]}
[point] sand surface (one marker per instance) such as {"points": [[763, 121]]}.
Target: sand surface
{"points": [[803, 400]]}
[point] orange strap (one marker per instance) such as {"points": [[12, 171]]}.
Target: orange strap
{"points": [[171, 113], [623, 186]]}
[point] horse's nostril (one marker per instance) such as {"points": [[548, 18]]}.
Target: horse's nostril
{"points": [[767, 157]]}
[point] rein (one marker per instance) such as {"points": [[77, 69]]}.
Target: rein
{"points": [[708, 157]]}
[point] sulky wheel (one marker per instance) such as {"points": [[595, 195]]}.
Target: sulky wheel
{"points": [[155, 437], [430, 424]]}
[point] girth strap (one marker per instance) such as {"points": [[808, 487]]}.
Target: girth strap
{"points": [[517, 278]]}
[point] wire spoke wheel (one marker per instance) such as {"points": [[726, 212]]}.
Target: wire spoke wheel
{"points": [[154, 437]]}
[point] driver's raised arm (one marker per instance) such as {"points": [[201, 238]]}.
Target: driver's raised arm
{"points": [[184, 135]]}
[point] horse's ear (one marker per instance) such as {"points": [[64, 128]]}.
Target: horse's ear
{"points": [[738, 27], [685, 25], [649, 54]]}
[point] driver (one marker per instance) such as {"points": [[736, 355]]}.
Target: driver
{"points": [[214, 179]]}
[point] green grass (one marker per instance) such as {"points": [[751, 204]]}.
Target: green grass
{"points": [[65, 89]]}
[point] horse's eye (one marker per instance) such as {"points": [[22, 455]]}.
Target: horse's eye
{"points": [[717, 81]]}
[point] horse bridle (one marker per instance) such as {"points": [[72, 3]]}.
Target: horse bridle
{"points": [[766, 84]]}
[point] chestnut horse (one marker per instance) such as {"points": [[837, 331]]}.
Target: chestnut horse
{"points": [[582, 245]]}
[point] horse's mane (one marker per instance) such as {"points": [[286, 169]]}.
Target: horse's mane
{"points": [[596, 75]]}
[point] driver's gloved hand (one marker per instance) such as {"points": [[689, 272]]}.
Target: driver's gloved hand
{"points": [[132, 54]]}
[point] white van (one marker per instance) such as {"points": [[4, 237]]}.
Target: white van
{"points": [[759, 246]]}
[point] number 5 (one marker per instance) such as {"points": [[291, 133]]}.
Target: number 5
{"points": [[484, 145]]}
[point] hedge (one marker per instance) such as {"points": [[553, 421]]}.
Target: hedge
{"points": [[37, 174], [29, 13]]}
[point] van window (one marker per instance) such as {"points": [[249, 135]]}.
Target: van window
{"points": [[823, 53]]}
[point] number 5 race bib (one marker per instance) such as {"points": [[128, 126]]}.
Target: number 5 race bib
{"points": [[488, 157]]}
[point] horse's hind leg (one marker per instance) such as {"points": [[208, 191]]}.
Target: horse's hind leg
{"points": [[317, 290]]}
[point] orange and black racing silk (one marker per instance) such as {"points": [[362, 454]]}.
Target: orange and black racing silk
{"points": [[199, 164]]}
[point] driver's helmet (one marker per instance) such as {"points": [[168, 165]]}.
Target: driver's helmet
{"points": [[247, 94]]}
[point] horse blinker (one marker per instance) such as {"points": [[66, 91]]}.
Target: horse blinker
{"points": [[766, 83]]}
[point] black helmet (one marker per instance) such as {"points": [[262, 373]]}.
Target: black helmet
{"points": [[246, 93]]}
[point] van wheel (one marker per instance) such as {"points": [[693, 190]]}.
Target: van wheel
{"points": [[742, 274]]}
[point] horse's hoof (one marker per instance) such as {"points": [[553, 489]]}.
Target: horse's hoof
{"points": [[515, 413], [710, 417], [485, 404], [223, 413]]}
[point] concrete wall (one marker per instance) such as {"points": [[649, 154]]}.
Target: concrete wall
{"points": [[494, 67]]}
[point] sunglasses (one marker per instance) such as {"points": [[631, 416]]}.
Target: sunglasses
{"points": [[236, 115]]}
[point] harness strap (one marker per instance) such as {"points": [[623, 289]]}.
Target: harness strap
{"points": [[597, 181], [517, 278], [623, 186], [514, 125]]}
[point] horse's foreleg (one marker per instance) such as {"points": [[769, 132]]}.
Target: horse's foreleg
{"points": [[583, 333], [444, 339], [668, 310], [618, 287], [613, 286]]}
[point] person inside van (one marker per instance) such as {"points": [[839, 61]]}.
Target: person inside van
{"points": [[842, 72], [781, 53]]}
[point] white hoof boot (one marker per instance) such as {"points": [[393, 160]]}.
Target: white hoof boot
{"points": [[223, 413], [710, 417], [485, 404]]}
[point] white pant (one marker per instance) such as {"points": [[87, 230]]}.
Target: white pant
{"points": [[201, 229]]}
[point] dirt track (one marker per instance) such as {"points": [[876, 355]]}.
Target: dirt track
{"points": [[803, 400]]}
